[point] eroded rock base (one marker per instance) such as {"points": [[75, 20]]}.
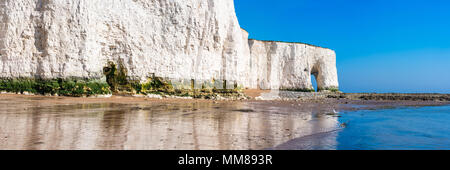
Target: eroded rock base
{"points": [[116, 82]]}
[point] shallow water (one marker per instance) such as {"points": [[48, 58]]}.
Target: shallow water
{"points": [[421, 128], [30, 124], [408, 128]]}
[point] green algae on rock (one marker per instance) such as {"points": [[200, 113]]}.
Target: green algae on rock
{"points": [[66, 87], [116, 81], [300, 90], [116, 78], [330, 89]]}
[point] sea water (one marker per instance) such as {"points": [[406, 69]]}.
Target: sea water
{"points": [[407, 128], [404, 128]]}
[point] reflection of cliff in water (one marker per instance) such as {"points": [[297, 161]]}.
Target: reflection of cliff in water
{"points": [[27, 125]]}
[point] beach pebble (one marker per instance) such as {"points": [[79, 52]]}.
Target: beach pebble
{"points": [[104, 96], [138, 95], [154, 96]]}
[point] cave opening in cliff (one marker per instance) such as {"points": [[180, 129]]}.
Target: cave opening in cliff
{"points": [[314, 82], [314, 75]]}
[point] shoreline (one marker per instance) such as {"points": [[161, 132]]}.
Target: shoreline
{"points": [[328, 104]]}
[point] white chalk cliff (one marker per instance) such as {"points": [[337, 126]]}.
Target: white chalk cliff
{"points": [[289, 66], [177, 39]]}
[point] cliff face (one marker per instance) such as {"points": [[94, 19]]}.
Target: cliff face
{"points": [[289, 66], [176, 39], [190, 39]]}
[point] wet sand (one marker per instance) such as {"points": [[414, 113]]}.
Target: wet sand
{"points": [[37, 122]]}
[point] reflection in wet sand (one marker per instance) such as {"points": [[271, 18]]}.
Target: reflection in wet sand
{"points": [[27, 124]]}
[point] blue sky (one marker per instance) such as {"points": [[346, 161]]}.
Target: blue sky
{"points": [[381, 45]]}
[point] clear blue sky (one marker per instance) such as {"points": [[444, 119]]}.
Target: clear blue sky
{"points": [[381, 45]]}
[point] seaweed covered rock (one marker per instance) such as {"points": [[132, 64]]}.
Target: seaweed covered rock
{"points": [[64, 87]]}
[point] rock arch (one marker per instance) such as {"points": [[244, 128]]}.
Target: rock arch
{"points": [[290, 66], [314, 74]]}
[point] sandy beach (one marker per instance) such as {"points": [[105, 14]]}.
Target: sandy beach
{"points": [[38, 122]]}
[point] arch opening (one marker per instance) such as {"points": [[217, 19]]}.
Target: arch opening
{"points": [[314, 78], [314, 82]]}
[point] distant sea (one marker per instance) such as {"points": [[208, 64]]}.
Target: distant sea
{"points": [[407, 128]]}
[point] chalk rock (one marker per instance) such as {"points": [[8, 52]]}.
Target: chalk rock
{"points": [[189, 39], [175, 39], [289, 66], [154, 96]]}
